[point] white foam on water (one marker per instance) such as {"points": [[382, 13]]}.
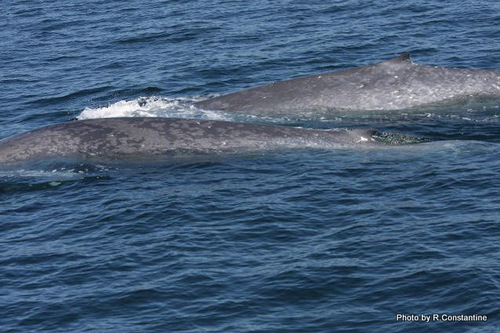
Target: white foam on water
{"points": [[152, 107]]}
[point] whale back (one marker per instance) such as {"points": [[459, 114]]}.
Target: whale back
{"points": [[394, 84], [118, 138]]}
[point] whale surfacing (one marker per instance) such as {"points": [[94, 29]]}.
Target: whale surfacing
{"points": [[395, 84], [118, 138]]}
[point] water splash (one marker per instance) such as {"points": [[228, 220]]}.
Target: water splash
{"points": [[153, 106]]}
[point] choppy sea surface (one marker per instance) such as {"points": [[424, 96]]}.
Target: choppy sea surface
{"points": [[339, 240]]}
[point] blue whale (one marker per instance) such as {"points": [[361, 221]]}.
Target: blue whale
{"points": [[121, 138], [395, 84]]}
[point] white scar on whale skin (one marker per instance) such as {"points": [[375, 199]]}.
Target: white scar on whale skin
{"points": [[133, 138], [395, 84]]}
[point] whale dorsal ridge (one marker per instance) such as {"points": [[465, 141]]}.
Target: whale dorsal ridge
{"points": [[403, 57]]}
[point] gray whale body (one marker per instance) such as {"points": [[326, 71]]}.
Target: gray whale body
{"points": [[395, 84], [118, 138]]}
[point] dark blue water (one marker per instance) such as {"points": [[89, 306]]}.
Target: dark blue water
{"points": [[338, 240]]}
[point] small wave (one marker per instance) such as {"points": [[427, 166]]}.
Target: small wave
{"points": [[152, 107], [47, 177], [50, 101]]}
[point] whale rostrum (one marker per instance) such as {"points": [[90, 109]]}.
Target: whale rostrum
{"points": [[115, 138], [395, 84]]}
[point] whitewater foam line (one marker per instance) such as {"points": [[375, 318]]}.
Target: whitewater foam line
{"points": [[152, 107]]}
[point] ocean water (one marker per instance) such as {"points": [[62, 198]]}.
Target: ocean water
{"points": [[339, 240]]}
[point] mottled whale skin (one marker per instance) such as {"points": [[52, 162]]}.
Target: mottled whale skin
{"points": [[118, 138], [395, 84]]}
